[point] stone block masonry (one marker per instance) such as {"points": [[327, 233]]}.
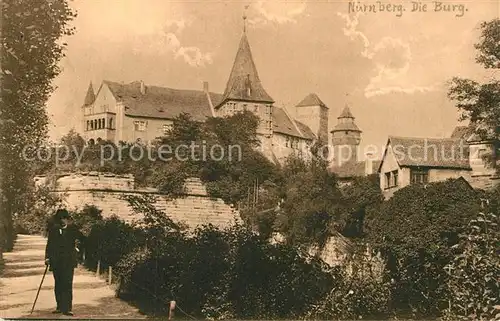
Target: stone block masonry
{"points": [[108, 191]]}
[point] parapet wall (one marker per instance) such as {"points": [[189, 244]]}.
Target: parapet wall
{"points": [[108, 192]]}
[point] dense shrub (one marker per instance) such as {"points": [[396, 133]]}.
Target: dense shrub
{"points": [[109, 240], [225, 273], [363, 291], [474, 272], [86, 218], [209, 272], [415, 231]]}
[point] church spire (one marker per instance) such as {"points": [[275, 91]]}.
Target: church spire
{"points": [[244, 83], [90, 96]]}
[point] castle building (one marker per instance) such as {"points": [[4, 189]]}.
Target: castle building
{"points": [[138, 112], [412, 160], [346, 137]]}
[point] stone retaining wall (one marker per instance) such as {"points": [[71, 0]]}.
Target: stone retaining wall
{"points": [[107, 192]]}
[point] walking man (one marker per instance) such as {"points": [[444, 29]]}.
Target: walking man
{"points": [[61, 256]]}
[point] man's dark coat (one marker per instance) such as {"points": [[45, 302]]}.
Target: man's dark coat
{"points": [[62, 256]]}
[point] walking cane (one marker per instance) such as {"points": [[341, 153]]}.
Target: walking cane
{"points": [[39, 288]]}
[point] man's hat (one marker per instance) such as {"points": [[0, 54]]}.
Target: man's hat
{"points": [[62, 213]]}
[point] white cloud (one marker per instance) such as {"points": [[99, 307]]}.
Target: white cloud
{"points": [[277, 11], [193, 56], [391, 57], [350, 30], [168, 41]]}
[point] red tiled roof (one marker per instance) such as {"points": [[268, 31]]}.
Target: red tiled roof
{"points": [[311, 100], [354, 168], [243, 76], [430, 152], [161, 102]]}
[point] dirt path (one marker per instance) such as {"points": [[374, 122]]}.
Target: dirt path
{"points": [[19, 282]]}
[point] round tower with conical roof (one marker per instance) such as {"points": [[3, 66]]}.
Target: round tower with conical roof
{"points": [[346, 137]]}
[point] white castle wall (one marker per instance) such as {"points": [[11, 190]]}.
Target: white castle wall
{"points": [[107, 192]]}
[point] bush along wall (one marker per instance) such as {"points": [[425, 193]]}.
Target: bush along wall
{"points": [[211, 273]]}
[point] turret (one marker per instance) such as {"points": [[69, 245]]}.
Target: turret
{"points": [[346, 137]]}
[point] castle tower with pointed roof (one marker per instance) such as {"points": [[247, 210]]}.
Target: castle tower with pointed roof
{"points": [[314, 113], [244, 90], [87, 102], [346, 137]]}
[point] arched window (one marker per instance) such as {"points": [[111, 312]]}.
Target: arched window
{"points": [[111, 123], [95, 123], [88, 125], [104, 123], [99, 140], [91, 141]]}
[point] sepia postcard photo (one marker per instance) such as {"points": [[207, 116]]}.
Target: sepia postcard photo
{"points": [[250, 160]]}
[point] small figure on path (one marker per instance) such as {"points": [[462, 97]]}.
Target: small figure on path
{"points": [[61, 256]]}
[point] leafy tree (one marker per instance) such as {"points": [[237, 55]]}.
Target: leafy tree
{"points": [[362, 195], [312, 203], [415, 231], [42, 204], [478, 102], [489, 45], [31, 50], [233, 177]]}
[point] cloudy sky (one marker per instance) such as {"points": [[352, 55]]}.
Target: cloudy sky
{"points": [[392, 69]]}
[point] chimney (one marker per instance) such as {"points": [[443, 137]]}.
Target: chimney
{"points": [[205, 86], [369, 164], [143, 88]]}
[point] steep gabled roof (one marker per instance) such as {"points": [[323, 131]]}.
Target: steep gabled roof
{"points": [[90, 96], [305, 130], [168, 103], [244, 76], [283, 124], [311, 100], [161, 102], [430, 152]]}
